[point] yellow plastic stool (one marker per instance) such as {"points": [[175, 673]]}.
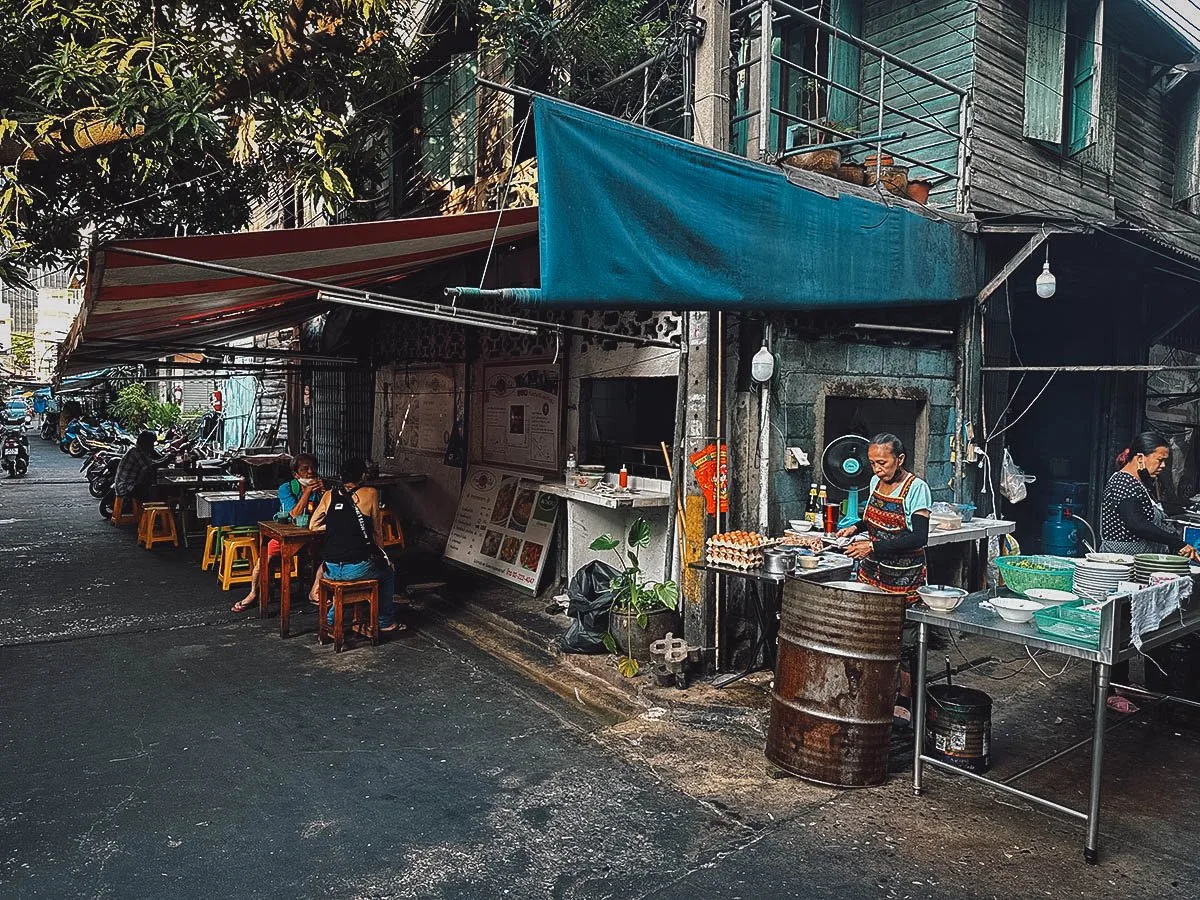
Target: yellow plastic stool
{"points": [[143, 519], [212, 546], [393, 535], [239, 556], [158, 526]]}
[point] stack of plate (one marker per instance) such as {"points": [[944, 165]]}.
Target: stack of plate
{"points": [[1147, 564], [1096, 580]]}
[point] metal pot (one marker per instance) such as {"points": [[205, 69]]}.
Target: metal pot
{"points": [[778, 562]]}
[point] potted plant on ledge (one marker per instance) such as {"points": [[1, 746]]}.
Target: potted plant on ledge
{"points": [[643, 611]]}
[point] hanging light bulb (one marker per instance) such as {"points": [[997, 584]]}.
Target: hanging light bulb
{"points": [[762, 366], [1046, 283]]}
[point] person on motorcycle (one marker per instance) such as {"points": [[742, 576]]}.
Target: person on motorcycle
{"points": [[135, 474], [298, 499]]}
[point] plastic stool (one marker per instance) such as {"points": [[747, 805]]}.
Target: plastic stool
{"points": [[212, 546], [342, 594], [143, 519], [158, 526], [393, 535], [121, 517], [239, 556]]}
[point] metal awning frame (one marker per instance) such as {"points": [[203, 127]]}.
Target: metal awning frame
{"points": [[335, 293]]}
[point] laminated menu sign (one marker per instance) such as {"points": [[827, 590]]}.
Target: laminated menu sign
{"points": [[503, 526], [521, 411]]}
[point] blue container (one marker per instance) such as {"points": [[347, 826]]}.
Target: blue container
{"points": [[1059, 537]]}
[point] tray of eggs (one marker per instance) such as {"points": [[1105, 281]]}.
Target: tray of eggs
{"points": [[737, 549]]}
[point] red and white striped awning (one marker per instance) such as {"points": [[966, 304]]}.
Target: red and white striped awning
{"points": [[136, 304]]}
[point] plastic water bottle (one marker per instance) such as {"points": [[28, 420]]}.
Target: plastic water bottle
{"points": [[570, 468]]}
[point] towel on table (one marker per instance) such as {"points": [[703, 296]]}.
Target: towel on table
{"points": [[1149, 606]]}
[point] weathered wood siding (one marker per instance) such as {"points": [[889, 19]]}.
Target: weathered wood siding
{"points": [[1012, 174], [938, 36]]}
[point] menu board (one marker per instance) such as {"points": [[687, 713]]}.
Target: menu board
{"points": [[521, 415], [503, 526]]}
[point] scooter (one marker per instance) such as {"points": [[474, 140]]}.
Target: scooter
{"points": [[14, 453]]}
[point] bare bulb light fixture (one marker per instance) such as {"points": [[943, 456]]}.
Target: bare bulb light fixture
{"points": [[1046, 283]]}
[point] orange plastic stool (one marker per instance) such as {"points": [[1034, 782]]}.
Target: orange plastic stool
{"points": [[158, 526], [239, 556]]}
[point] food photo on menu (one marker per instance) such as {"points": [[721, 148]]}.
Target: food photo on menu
{"points": [[491, 543], [531, 555], [504, 500], [509, 549], [522, 509]]}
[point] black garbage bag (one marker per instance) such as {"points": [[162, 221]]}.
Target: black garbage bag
{"points": [[591, 599]]}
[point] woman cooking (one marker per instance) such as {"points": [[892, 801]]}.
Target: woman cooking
{"points": [[895, 524]]}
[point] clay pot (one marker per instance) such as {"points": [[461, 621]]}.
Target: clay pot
{"points": [[852, 173], [884, 160], [825, 162], [893, 178], [632, 639], [918, 191]]}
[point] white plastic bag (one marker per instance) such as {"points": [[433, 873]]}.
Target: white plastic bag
{"points": [[1013, 479]]}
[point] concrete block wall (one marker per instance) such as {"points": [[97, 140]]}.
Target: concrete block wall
{"points": [[811, 370]]}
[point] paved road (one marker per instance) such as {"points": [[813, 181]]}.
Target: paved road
{"points": [[154, 745]]}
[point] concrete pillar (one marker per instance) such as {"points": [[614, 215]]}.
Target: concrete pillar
{"points": [[712, 75]]}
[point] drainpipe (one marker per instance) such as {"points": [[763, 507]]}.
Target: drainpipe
{"points": [[764, 444]]}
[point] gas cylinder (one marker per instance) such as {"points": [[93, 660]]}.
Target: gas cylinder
{"points": [[1059, 537]]}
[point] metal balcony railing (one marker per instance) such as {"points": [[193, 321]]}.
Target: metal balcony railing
{"points": [[899, 109]]}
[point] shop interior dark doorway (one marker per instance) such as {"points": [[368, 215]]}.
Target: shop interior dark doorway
{"points": [[623, 421], [869, 416]]}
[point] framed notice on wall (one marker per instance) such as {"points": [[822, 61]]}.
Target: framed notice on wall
{"points": [[522, 414], [503, 526], [419, 409]]}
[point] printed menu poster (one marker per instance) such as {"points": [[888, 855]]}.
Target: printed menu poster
{"points": [[418, 410], [503, 526], [521, 414]]}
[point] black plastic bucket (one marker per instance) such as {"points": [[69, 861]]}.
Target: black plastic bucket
{"points": [[958, 727]]}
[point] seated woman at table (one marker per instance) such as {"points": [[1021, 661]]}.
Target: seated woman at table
{"points": [[351, 516], [297, 500]]}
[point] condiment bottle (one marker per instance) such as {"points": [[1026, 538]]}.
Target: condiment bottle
{"points": [[570, 468], [242, 488], [623, 477], [812, 513]]}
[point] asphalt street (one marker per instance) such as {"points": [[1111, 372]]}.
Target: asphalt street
{"points": [[155, 745]]}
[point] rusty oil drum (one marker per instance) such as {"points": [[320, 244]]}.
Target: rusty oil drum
{"points": [[835, 682]]}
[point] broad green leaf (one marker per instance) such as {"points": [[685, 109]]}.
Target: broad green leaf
{"points": [[610, 643], [667, 594], [605, 542], [639, 533], [643, 620]]}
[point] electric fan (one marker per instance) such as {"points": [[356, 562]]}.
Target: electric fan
{"points": [[845, 466]]}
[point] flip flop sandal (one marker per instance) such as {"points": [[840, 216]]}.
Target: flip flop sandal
{"points": [[1122, 705], [243, 605], [393, 628]]}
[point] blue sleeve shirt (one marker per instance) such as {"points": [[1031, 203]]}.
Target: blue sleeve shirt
{"points": [[919, 498]]}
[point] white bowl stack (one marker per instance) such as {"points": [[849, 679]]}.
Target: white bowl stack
{"points": [[1095, 579]]}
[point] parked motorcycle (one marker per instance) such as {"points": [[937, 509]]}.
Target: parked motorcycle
{"points": [[14, 452], [50, 427]]}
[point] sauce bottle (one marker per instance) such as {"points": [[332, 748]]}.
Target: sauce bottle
{"points": [[623, 477]]}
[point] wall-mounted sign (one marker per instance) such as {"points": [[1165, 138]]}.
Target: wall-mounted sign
{"points": [[521, 415], [503, 526]]}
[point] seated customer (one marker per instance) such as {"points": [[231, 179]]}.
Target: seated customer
{"points": [[135, 474], [297, 501], [351, 517]]}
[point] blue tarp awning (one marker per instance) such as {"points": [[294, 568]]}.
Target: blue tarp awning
{"points": [[631, 217]]}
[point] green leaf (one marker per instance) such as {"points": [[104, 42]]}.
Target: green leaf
{"points": [[639, 533], [605, 542], [610, 643], [667, 594], [643, 620], [633, 559]]}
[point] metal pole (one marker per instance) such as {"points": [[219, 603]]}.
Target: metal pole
{"points": [[718, 581], [879, 130], [766, 39], [1162, 368], [960, 187], [919, 705], [1103, 674]]}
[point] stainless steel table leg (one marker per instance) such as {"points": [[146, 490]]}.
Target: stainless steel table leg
{"points": [[1102, 674], [919, 706]]}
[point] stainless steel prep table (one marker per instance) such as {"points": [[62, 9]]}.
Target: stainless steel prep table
{"points": [[1114, 647]]}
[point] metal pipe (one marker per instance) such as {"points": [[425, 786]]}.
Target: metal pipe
{"points": [[627, 74], [919, 711], [916, 163], [905, 329], [678, 473], [1157, 368], [505, 88], [717, 580], [764, 445], [1008, 789], [422, 314], [960, 188], [835, 145], [1103, 673], [665, 105], [879, 130]]}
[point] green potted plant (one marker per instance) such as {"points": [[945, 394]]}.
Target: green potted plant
{"points": [[643, 611]]}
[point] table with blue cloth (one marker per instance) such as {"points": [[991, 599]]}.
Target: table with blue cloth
{"points": [[227, 508]]}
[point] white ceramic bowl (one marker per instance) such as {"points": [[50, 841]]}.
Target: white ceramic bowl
{"points": [[1116, 559], [808, 562], [1013, 609], [800, 525], [941, 598], [1049, 596]]}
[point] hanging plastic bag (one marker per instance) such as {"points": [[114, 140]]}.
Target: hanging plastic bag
{"points": [[1013, 479]]}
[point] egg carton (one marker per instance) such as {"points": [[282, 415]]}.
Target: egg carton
{"points": [[735, 560], [741, 541]]}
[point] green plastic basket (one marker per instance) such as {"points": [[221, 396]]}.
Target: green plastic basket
{"points": [[1024, 573]]}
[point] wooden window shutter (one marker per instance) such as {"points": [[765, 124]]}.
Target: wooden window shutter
{"points": [[1108, 61], [1187, 154], [1045, 70], [462, 116], [435, 127], [845, 63]]}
